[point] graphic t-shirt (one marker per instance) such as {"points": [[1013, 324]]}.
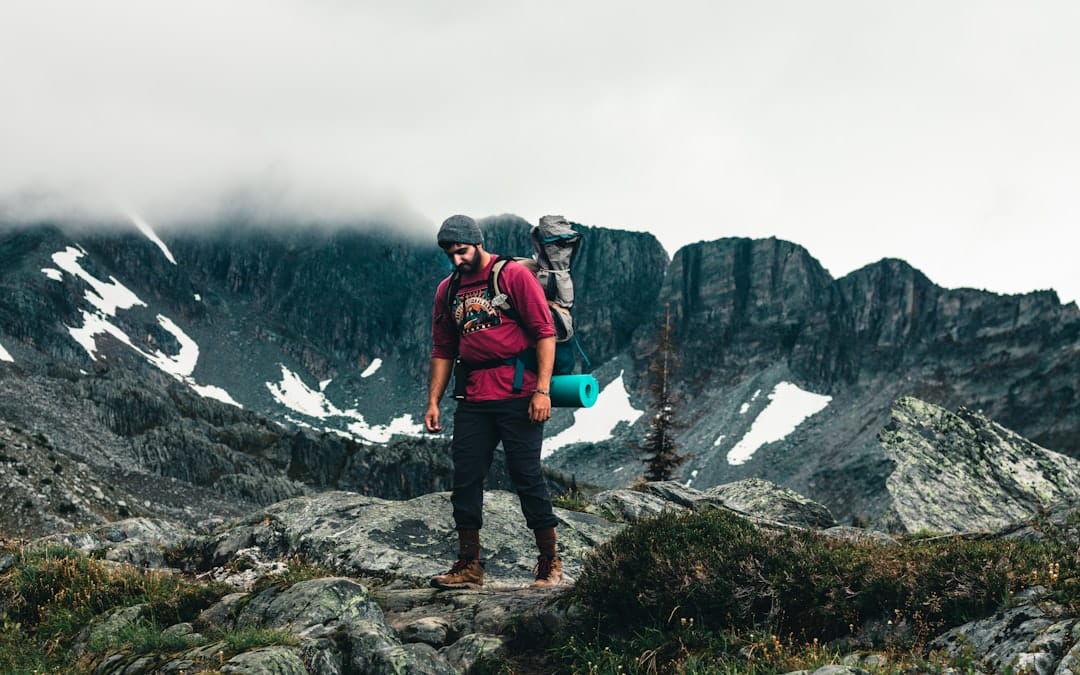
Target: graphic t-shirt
{"points": [[488, 334]]}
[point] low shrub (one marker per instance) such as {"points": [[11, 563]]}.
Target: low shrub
{"points": [[719, 570]]}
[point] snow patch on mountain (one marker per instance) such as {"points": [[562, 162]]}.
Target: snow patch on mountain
{"points": [[743, 409], [5, 356], [211, 391], [788, 407], [182, 365], [372, 367], [294, 394], [403, 426], [597, 423], [92, 326], [53, 273], [107, 297], [149, 233]]}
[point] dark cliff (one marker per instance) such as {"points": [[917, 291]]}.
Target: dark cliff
{"points": [[740, 306]]}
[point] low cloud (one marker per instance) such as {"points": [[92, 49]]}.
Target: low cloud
{"points": [[942, 134]]}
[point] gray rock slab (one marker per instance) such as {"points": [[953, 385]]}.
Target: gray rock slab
{"points": [[414, 539], [1027, 638], [311, 607], [470, 649], [961, 472], [761, 499], [266, 661]]}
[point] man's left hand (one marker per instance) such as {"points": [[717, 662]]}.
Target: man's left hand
{"points": [[540, 408]]}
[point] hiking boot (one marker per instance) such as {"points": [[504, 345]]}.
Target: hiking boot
{"points": [[466, 573], [548, 572]]}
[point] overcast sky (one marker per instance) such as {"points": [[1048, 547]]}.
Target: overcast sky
{"points": [[946, 133]]}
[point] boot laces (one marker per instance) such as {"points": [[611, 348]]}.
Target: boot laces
{"points": [[459, 565]]}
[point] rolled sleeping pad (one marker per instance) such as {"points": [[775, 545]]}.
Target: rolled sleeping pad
{"points": [[574, 391]]}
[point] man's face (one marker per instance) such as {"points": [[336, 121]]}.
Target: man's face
{"points": [[464, 257]]}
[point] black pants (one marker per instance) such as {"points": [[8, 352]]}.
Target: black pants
{"points": [[478, 428]]}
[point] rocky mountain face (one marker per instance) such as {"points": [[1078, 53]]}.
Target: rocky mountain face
{"points": [[261, 362], [754, 319]]}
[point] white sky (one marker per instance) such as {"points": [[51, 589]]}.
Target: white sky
{"points": [[940, 132]]}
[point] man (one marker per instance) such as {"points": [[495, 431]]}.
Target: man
{"points": [[491, 339]]}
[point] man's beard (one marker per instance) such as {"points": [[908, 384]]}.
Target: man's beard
{"points": [[469, 266]]}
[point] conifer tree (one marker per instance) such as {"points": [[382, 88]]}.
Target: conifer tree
{"points": [[660, 458]]}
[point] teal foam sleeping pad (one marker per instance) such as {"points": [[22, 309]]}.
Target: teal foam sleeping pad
{"points": [[574, 391]]}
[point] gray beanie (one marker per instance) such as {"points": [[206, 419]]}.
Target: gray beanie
{"points": [[460, 230]]}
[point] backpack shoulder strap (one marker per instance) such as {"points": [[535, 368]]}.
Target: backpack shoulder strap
{"points": [[451, 291], [501, 299], [493, 278]]}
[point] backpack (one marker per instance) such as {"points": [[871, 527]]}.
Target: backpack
{"points": [[556, 244]]}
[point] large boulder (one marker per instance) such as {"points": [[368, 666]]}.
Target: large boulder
{"points": [[957, 472], [761, 500], [758, 500]]}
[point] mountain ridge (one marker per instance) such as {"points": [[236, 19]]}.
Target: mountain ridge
{"points": [[326, 330]]}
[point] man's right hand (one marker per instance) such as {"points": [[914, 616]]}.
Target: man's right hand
{"points": [[431, 420]]}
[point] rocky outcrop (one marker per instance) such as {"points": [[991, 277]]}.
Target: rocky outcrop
{"points": [[413, 539], [1030, 638], [382, 617], [761, 500], [758, 500], [963, 472]]}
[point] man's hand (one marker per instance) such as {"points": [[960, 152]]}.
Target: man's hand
{"points": [[431, 419], [540, 407], [440, 376]]}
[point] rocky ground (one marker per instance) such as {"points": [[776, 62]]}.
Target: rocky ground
{"points": [[380, 616]]}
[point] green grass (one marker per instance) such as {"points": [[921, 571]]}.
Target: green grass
{"points": [[244, 639], [52, 594], [140, 637], [571, 501], [697, 592]]}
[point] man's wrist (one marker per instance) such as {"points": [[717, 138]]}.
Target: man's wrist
{"points": [[545, 392]]}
